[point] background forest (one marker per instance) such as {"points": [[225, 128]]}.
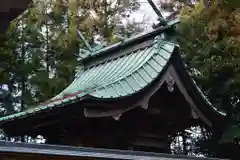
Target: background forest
{"points": [[40, 55]]}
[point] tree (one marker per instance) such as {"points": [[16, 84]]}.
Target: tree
{"points": [[213, 47], [209, 39], [103, 17]]}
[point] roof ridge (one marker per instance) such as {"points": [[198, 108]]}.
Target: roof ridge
{"points": [[133, 39]]}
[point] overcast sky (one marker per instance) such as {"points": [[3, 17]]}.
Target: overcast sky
{"points": [[146, 12]]}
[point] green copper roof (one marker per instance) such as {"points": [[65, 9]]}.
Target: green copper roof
{"points": [[125, 75], [116, 78]]}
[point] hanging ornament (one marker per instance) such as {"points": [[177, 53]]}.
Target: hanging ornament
{"points": [[194, 115]]}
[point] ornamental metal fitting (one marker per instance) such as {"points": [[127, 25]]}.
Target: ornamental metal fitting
{"points": [[117, 117], [170, 82]]}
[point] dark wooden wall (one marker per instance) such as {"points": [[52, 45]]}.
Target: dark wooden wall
{"points": [[138, 129]]}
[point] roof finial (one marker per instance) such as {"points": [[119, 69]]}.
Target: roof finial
{"points": [[158, 12], [84, 40]]}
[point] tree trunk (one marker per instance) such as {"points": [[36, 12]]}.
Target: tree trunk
{"points": [[47, 50], [22, 79]]}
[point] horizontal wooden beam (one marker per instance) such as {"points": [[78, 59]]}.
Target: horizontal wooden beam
{"points": [[151, 135], [19, 149], [150, 143]]}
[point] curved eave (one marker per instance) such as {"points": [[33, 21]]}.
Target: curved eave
{"points": [[40, 109], [204, 105]]}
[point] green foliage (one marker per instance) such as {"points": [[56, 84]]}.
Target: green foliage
{"points": [[231, 134], [104, 17], [211, 44]]}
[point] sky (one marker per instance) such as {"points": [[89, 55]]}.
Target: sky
{"points": [[146, 12]]}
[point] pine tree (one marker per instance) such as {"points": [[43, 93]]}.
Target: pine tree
{"points": [[210, 41]]}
